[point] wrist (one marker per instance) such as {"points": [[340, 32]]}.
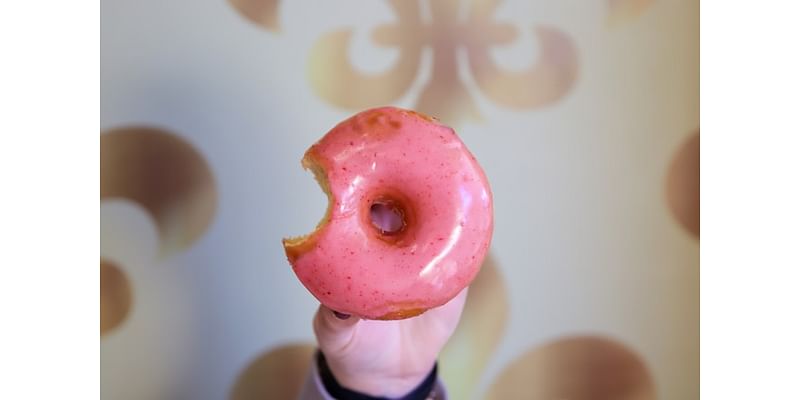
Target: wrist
{"points": [[380, 386], [341, 383]]}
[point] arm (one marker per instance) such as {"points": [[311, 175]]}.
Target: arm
{"points": [[380, 359], [315, 389]]}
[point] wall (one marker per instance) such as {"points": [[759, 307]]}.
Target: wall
{"points": [[584, 114]]}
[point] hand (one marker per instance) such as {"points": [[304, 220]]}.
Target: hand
{"points": [[385, 358]]}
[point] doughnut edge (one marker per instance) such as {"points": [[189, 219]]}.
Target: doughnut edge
{"points": [[296, 246]]}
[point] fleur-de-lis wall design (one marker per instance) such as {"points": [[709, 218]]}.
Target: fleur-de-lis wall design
{"points": [[445, 95], [171, 180]]}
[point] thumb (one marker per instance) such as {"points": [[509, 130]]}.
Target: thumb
{"points": [[334, 330]]}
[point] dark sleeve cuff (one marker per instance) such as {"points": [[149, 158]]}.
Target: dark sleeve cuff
{"points": [[337, 391]]}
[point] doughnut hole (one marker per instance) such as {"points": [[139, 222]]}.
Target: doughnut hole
{"points": [[387, 217], [391, 218]]}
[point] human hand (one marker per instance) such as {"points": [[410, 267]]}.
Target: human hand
{"points": [[385, 358]]}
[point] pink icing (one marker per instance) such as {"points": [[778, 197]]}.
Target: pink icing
{"points": [[389, 154]]}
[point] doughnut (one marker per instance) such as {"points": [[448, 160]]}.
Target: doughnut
{"points": [[409, 218]]}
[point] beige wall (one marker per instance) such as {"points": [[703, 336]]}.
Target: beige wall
{"points": [[584, 114]]}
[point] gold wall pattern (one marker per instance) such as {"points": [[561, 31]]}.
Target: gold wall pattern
{"points": [[621, 11], [683, 184], [277, 374], [171, 180], [281, 370], [266, 13], [445, 95], [263, 13], [576, 368], [165, 175], [115, 296]]}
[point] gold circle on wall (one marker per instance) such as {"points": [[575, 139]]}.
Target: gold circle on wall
{"points": [[163, 173], [576, 368], [276, 374], [621, 11], [115, 296], [263, 13], [683, 185]]}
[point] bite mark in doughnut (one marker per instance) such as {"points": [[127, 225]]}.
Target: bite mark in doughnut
{"points": [[431, 243]]}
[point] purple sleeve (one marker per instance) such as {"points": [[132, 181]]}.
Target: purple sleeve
{"points": [[313, 389]]}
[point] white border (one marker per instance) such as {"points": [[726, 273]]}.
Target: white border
{"points": [[750, 188], [49, 206]]}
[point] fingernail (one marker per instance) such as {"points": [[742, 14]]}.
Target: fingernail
{"points": [[341, 315]]}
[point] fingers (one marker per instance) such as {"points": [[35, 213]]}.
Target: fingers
{"points": [[334, 330]]}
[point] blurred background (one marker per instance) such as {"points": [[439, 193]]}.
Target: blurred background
{"points": [[584, 115]]}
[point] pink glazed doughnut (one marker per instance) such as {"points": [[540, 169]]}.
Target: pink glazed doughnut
{"points": [[408, 163]]}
